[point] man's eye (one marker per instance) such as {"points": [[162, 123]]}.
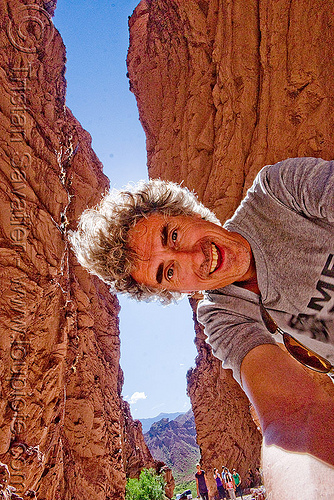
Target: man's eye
{"points": [[174, 235], [170, 273]]}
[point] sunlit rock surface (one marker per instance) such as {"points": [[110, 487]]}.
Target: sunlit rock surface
{"points": [[224, 88], [64, 429]]}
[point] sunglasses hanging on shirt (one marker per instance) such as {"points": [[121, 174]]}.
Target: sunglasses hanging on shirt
{"points": [[300, 352]]}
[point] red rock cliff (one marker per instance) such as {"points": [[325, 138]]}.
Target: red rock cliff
{"points": [[223, 88], [64, 429]]}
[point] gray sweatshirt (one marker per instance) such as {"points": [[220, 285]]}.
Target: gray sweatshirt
{"points": [[287, 217]]}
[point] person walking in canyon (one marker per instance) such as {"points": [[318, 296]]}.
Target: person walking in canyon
{"points": [[237, 482], [269, 269], [229, 484], [250, 479], [220, 484], [202, 489]]}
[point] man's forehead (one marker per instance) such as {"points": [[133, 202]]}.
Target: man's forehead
{"points": [[140, 229], [152, 220], [146, 224], [142, 236]]}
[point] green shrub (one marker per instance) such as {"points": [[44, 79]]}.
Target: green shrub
{"points": [[149, 486]]}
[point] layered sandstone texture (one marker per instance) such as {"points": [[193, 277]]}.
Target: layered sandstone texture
{"points": [[174, 443], [64, 430], [224, 87]]}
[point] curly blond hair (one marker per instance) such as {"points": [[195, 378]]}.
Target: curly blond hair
{"points": [[100, 242]]}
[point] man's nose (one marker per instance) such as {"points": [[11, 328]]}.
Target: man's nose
{"points": [[189, 255]]}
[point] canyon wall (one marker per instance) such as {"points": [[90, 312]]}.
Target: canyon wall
{"points": [[223, 88], [64, 430]]}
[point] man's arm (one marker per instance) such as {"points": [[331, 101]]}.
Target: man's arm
{"points": [[295, 413], [304, 184]]}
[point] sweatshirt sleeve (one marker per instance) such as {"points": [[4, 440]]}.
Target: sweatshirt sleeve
{"points": [[232, 335], [306, 185]]}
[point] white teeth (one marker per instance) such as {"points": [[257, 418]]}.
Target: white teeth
{"points": [[214, 258]]}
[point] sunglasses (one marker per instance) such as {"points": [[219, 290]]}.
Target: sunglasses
{"points": [[300, 352]]}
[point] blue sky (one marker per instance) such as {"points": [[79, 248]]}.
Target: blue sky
{"points": [[157, 345]]}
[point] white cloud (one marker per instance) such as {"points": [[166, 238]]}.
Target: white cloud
{"points": [[136, 396]]}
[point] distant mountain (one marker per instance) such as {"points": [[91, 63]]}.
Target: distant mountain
{"points": [[147, 422], [174, 442]]}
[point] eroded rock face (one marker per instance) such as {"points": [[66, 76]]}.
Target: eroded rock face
{"points": [[174, 442], [224, 88], [134, 447], [62, 423]]}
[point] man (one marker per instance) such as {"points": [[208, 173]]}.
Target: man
{"points": [[277, 250], [202, 489]]}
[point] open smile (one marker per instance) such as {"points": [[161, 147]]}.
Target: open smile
{"points": [[216, 259]]}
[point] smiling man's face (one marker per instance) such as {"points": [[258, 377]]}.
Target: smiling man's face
{"points": [[187, 254]]}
